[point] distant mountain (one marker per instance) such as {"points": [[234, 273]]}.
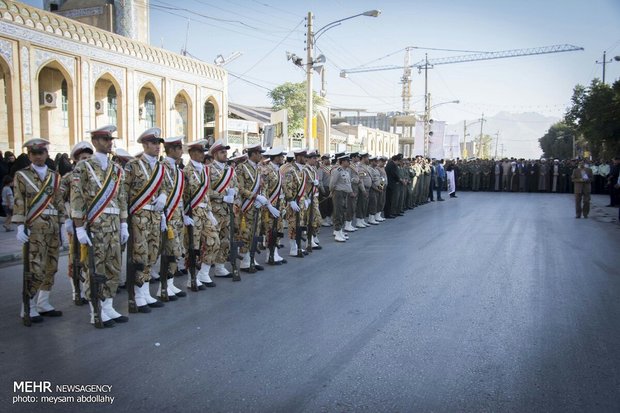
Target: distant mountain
{"points": [[518, 132]]}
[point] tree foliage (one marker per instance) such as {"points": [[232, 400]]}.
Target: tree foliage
{"points": [[595, 115], [292, 96], [558, 141]]}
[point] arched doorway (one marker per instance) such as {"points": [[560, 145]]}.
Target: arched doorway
{"points": [[149, 109], [182, 116], [211, 115], [108, 102], [56, 107], [7, 139]]}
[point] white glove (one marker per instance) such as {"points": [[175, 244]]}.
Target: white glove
{"points": [[124, 233], [231, 191], [307, 203], [69, 226], [294, 206], [261, 199], [82, 236], [316, 182], [63, 234], [229, 199], [21, 234], [160, 202], [188, 221], [273, 210], [163, 226], [211, 218]]}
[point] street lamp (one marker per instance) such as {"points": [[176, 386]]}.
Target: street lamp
{"points": [[427, 121], [311, 38]]}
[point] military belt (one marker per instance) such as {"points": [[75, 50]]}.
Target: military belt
{"points": [[49, 211], [112, 211], [202, 205]]}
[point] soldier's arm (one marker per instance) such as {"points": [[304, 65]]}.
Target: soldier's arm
{"points": [[243, 180], [19, 207], [122, 197], [333, 180], [289, 186], [78, 201], [59, 204]]}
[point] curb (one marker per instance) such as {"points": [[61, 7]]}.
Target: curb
{"points": [[17, 256]]}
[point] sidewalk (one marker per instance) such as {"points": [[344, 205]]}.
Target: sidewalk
{"points": [[11, 248]]}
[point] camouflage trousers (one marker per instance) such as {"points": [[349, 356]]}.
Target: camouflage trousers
{"points": [[146, 232], [381, 200], [219, 253], [245, 225], [44, 244], [373, 201], [105, 237], [267, 221], [291, 218], [173, 247], [316, 216], [206, 238]]}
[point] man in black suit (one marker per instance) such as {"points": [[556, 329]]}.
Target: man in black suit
{"points": [[612, 179]]}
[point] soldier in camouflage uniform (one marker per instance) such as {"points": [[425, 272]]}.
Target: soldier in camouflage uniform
{"points": [[383, 186], [325, 201], [310, 168], [364, 187], [39, 213], [222, 197], [81, 151], [174, 186], [251, 189], [99, 212], [352, 200], [147, 199], [374, 192], [206, 241], [295, 184], [270, 173]]}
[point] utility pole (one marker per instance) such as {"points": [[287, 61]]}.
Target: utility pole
{"points": [[604, 63], [482, 120], [496, 142], [464, 154], [309, 47], [426, 107]]}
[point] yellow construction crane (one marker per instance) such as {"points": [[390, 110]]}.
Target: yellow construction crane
{"points": [[427, 63]]}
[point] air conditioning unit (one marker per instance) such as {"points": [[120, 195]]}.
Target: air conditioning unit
{"points": [[47, 99], [99, 107], [141, 112]]}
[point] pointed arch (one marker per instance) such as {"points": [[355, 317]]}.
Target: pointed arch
{"points": [[211, 119], [183, 115], [7, 137], [109, 100], [149, 107]]}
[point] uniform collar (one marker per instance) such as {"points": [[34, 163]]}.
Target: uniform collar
{"points": [[198, 165]]}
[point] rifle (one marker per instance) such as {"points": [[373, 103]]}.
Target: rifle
{"points": [[164, 263], [256, 240], [132, 267], [233, 253], [310, 230], [77, 271], [95, 281], [298, 233], [273, 237], [193, 285], [27, 279]]}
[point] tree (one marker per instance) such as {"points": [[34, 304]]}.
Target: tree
{"points": [[558, 141], [595, 115], [292, 97]]}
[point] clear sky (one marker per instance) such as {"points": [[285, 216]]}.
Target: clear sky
{"points": [[265, 29]]}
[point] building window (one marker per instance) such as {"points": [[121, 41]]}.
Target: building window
{"points": [[149, 107], [64, 103], [112, 105]]}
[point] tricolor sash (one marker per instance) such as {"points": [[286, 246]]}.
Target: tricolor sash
{"points": [[222, 184], [173, 200], [106, 193], [312, 175], [198, 196], [43, 198], [275, 193], [247, 204], [301, 190], [149, 189]]}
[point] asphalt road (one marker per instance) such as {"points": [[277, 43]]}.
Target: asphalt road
{"points": [[490, 302]]}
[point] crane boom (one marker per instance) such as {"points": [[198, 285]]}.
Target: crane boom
{"points": [[471, 58]]}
